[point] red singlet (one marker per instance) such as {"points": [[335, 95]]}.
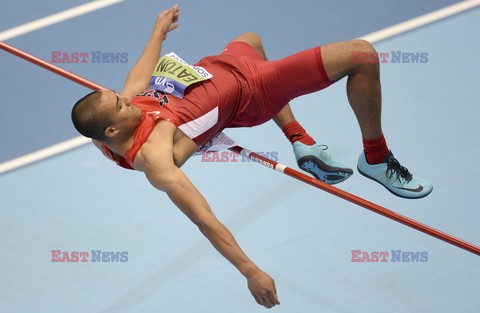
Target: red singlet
{"points": [[245, 91]]}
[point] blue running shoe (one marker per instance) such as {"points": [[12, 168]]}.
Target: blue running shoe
{"points": [[316, 161], [396, 178]]}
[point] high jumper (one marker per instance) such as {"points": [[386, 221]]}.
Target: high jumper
{"points": [[156, 131]]}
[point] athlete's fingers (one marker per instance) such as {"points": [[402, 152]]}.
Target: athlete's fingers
{"points": [[268, 301], [265, 301], [176, 15], [265, 304], [261, 301], [275, 300], [172, 27], [275, 296], [175, 9], [257, 299], [271, 298]]}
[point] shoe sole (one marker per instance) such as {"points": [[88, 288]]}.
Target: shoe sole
{"points": [[315, 166], [396, 194]]}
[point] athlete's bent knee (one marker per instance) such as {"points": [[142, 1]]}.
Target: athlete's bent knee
{"points": [[364, 54], [362, 46], [251, 38]]}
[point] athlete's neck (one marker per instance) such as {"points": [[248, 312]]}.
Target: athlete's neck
{"points": [[120, 146]]}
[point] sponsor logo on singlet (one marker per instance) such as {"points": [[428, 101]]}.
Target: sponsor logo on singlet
{"points": [[160, 96]]}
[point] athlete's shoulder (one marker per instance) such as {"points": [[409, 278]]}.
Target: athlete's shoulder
{"points": [[162, 135]]}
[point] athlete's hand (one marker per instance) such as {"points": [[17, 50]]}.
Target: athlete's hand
{"points": [[167, 21], [263, 289]]}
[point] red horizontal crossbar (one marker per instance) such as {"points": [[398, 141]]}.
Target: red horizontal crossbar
{"points": [[57, 70]]}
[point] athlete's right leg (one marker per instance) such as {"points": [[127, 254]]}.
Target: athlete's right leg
{"points": [[363, 84], [364, 95], [310, 156]]}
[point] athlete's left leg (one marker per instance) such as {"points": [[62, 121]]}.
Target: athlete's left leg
{"points": [[310, 156], [285, 116]]}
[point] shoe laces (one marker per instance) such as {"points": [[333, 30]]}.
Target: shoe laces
{"points": [[394, 167]]}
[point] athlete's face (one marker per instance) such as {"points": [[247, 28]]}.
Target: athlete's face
{"points": [[124, 115]]}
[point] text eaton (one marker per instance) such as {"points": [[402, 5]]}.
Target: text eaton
{"points": [[82, 256], [93, 57], [395, 256]]}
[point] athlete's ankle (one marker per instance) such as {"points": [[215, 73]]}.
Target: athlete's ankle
{"points": [[295, 132], [375, 150]]}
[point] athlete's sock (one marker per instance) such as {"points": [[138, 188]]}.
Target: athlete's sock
{"points": [[294, 131], [375, 150]]}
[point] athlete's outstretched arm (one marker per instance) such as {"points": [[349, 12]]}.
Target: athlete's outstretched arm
{"points": [[162, 173], [139, 75]]}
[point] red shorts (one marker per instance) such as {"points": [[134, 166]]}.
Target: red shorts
{"points": [[275, 83], [246, 90]]}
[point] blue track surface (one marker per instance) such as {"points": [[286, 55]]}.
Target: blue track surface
{"points": [[79, 201]]}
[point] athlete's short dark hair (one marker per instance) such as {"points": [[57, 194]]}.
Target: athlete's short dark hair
{"points": [[88, 119]]}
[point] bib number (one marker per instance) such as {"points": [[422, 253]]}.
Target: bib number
{"points": [[173, 75]]}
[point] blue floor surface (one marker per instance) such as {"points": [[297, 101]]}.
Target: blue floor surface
{"points": [[303, 237]]}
